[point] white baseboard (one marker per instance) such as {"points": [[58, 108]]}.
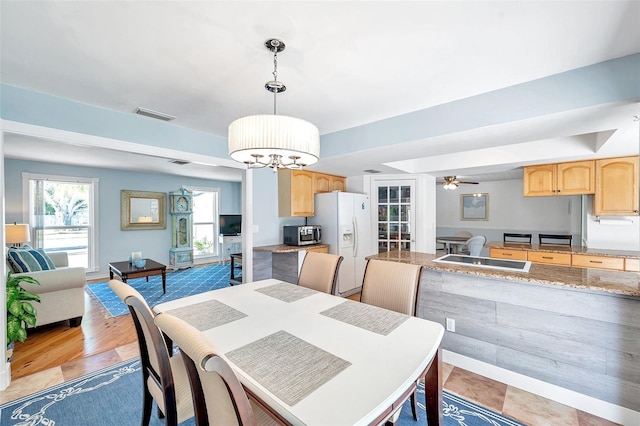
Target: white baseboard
{"points": [[5, 376], [589, 404]]}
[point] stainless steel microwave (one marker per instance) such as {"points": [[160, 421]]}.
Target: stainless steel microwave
{"points": [[302, 235]]}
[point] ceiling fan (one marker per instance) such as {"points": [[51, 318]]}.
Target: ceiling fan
{"points": [[450, 182]]}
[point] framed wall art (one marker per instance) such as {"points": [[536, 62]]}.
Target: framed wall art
{"points": [[474, 206]]}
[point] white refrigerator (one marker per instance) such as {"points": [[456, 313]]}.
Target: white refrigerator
{"points": [[345, 219]]}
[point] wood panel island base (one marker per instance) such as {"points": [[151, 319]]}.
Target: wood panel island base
{"points": [[575, 328]]}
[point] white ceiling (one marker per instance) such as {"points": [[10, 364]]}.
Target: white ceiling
{"points": [[345, 64]]}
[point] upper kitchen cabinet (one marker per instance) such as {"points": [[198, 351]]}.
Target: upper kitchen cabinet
{"points": [[297, 187], [572, 178], [617, 187], [295, 193], [323, 182]]}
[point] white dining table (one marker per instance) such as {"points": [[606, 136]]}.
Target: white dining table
{"points": [[451, 243], [318, 359]]}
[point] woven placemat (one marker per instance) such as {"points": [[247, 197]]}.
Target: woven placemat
{"points": [[286, 292], [207, 315], [287, 366], [372, 318]]}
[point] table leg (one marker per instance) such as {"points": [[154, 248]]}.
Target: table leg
{"points": [[110, 273], [164, 281], [433, 391]]}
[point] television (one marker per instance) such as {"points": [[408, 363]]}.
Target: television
{"points": [[230, 224]]}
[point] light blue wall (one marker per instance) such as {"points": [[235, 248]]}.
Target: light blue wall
{"points": [[116, 244]]}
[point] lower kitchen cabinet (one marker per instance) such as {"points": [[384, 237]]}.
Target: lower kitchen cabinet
{"points": [[601, 262], [508, 254], [549, 258]]}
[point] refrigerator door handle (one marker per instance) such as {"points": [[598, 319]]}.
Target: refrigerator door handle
{"points": [[355, 236]]}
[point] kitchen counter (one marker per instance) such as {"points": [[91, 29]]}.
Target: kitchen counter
{"points": [[551, 248], [283, 248], [584, 279]]}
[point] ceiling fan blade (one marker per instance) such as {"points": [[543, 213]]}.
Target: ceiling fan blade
{"points": [[467, 183]]}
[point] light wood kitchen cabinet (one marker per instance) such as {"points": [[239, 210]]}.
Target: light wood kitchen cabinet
{"points": [[574, 178], [600, 262], [617, 187], [508, 254], [324, 182], [632, 265], [297, 187], [295, 193], [549, 258], [318, 249]]}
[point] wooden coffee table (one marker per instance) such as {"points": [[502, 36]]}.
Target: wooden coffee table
{"points": [[126, 270]]}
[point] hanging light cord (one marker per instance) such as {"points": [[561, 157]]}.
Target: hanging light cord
{"points": [[275, 79]]}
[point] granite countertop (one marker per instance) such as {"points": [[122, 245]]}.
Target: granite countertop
{"points": [[283, 248], [551, 248], [585, 279]]}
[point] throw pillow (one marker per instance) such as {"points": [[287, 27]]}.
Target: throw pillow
{"points": [[29, 260]]}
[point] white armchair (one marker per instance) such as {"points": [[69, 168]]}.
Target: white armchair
{"points": [[61, 291]]}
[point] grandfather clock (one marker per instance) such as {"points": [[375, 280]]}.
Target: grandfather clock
{"points": [[181, 210]]}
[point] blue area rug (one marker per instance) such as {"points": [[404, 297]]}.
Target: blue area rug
{"points": [[113, 396], [181, 283]]}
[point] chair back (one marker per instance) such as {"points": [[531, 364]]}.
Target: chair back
{"points": [[556, 239], [320, 271], [218, 396], [154, 352], [391, 285], [516, 238], [475, 245]]}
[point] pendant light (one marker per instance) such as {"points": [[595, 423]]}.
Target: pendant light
{"points": [[275, 141]]}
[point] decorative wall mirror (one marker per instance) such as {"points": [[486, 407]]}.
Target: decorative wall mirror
{"points": [[142, 210]]}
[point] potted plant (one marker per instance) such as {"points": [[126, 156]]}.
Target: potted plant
{"points": [[20, 313]]}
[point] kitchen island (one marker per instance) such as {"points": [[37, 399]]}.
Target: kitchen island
{"points": [[281, 261], [577, 328]]}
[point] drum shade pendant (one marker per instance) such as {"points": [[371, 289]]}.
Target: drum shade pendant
{"points": [[275, 141]]}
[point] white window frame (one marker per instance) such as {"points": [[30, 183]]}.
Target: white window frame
{"points": [[93, 254], [206, 258]]}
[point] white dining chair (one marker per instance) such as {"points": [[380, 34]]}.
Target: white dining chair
{"points": [[475, 245]]}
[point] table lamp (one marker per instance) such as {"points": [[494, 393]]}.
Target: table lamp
{"points": [[17, 233]]}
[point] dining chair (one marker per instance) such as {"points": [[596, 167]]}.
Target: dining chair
{"points": [[319, 271], [509, 237], [393, 286], [164, 376], [475, 244], [557, 239], [218, 396], [463, 249]]}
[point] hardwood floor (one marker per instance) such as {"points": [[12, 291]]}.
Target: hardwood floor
{"points": [[56, 353], [55, 344]]}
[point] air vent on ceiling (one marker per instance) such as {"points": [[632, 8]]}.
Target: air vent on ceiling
{"points": [[154, 114], [372, 171], [179, 162]]}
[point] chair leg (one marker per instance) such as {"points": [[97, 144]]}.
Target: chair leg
{"points": [[414, 404], [147, 402]]}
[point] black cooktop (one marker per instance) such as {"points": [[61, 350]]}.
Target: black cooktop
{"points": [[485, 262]]}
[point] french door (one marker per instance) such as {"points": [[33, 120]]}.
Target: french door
{"points": [[396, 215]]}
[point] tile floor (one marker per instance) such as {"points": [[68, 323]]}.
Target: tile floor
{"points": [[499, 397]]}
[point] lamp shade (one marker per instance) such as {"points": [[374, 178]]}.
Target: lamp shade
{"points": [[267, 135], [17, 233]]}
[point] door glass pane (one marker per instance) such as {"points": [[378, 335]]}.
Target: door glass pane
{"points": [[406, 194], [393, 194], [382, 213], [382, 194]]}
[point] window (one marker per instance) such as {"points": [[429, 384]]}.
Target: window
{"points": [[63, 216], [205, 222]]}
